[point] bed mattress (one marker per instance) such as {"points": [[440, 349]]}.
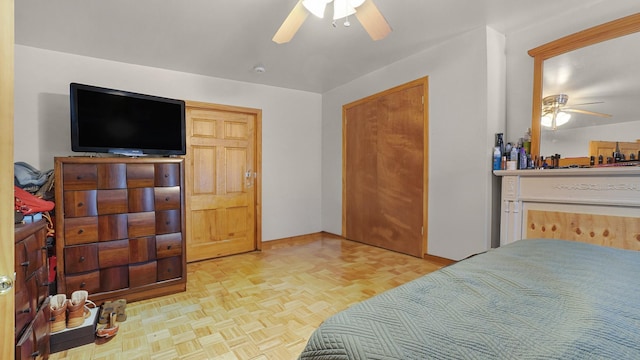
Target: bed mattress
{"points": [[532, 299]]}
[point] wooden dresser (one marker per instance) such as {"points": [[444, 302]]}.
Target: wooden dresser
{"points": [[119, 226], [32, 328]]}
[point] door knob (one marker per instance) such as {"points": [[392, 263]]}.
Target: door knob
{"points": [[6, 283]]}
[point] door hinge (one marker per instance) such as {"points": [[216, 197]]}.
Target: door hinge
{"points": [[423, 100], [422, 230]]}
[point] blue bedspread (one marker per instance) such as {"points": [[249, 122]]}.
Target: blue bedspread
{"points": [[532, 299]]}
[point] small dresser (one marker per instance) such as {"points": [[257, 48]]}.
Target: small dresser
{"points": [[32, 328], [119, 226]]}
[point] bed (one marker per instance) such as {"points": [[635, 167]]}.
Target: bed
{"points": [[530, 299]]}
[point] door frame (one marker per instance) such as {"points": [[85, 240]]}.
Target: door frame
{"points": [[424, 81], [7, 236], [257, 113]]}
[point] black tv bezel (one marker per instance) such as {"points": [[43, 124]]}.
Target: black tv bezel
{"points": [[133, 151]]}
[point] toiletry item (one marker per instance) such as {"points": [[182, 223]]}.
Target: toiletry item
{"points": [[592, 160], [527, 141], [514, 155], [512, 165], [616, 154], [507, 150], [497, 158], [500, 142], [523, 159], [601, 159], [503, 165]]}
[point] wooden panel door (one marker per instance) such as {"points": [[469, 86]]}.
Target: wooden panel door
{"points": [[7, 314], [385, 142], [221, 176]]}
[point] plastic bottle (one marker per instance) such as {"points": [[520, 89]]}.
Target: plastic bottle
{"points": [[523, 159], [497, 158], [514, 155], [526, 143]]}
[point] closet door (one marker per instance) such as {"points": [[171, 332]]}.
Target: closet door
{"points": [[385, 142], [221, 176]]}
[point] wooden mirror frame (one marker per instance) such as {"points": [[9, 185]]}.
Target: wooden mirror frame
{"points": [[607, 31]]}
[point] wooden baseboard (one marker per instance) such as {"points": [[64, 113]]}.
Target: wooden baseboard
{"points": [[438, 260]]}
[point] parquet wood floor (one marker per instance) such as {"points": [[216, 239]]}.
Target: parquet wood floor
{"points": [[259, 305]]}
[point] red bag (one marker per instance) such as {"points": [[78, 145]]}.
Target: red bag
{"points": [[27, 203]]}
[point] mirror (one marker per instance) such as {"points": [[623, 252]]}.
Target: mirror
{"points": [[591, 76]]}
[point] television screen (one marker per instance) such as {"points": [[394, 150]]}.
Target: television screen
{"points": [[122, 122]]}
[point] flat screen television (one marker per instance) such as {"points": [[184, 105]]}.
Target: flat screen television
{"points": [[122, 122]]}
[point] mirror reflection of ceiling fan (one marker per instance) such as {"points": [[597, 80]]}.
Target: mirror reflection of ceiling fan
{"points": [[365, 10], [556, 113]]}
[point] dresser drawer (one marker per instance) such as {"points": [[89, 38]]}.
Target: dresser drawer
{"points": [[26, 346], [113, 227], [89, 281], [168, 245], [41, 333], [80, 176], [24, 313], [35, 253], [80, 258], [167, 175], [167, 198], [80, 230], [168, 221], [169, 268], [80, 203]]}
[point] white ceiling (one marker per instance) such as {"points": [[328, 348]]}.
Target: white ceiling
{"points": [[226, 39]]}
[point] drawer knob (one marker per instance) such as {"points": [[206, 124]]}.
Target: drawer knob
{"points": [[82, 285], [168, 247], [25, 264], [80, 231], [167, 222], [166, 175], [81, 258], [167, 199], [79, 177], [25, 311], [80, 204]]}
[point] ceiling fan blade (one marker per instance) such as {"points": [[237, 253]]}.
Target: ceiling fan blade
{"points": [[588, 103], [291, 24], [372, 20], [586, 112]]}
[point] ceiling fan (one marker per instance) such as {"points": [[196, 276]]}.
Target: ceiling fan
{"points": [[365, 10], [555, 113]]}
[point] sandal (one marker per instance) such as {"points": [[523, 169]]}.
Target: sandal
{"points": [[107, 308], [120, 308], [110, 329]]}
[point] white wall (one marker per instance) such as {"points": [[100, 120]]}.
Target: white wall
{"points": [[460, 137], [291, 140], [520, 64]]}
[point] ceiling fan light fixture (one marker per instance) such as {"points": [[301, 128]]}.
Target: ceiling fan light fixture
{"points": [[316, 7], [342, 8], [561, 119]]}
